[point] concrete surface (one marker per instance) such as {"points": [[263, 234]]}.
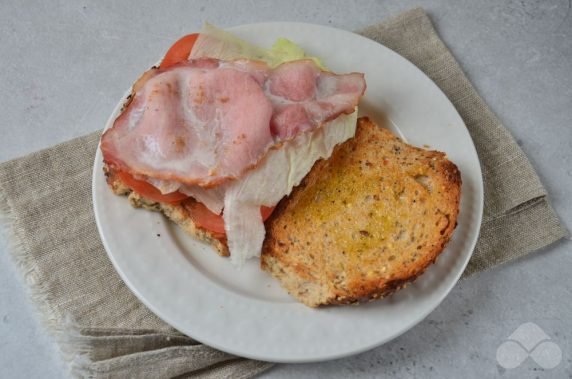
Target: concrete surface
{"points": [[64, 65]]}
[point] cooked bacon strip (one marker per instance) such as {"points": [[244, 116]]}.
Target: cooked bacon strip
{"points": [[205, 121]]}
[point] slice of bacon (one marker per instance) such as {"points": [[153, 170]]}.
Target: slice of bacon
{"points": [[206, 121]]}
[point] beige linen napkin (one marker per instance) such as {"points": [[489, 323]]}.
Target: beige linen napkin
{"points": [[45, 201]]}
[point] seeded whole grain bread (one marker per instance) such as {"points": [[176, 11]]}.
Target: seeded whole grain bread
{"points": [[178, 213], [363, 223]]}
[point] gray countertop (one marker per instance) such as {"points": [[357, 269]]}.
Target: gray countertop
{"points": [[66, 63]]}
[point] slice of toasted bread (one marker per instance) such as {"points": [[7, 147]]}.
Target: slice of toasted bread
{"points": [[178, 213], [363, 223]]}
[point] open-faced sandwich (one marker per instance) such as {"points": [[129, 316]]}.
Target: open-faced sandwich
{"points": [[220, 132]]}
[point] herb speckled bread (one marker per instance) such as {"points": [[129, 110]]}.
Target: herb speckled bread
{"points": [[363, 223], [178, 213]]}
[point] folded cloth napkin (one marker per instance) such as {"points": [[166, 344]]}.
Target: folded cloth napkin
{"points": [[45, 201]]}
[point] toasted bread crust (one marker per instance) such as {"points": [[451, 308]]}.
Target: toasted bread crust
{"points": [[177, 213], [363, 223]]}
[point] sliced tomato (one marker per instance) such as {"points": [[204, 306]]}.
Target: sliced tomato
{"points": [[180, 50], [149, 191], [266, 212], [206, 219]]}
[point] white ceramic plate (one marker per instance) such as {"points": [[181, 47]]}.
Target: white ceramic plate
{"points": [[246, 312]]}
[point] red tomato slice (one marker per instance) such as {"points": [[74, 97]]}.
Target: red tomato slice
{"points": [[204, 218], [180, 50], [148, 191], [266, 212]]}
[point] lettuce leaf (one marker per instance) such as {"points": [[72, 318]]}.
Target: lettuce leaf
{"points": [[285, 50], [217, 43]]}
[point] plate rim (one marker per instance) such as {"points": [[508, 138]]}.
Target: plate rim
{"points": [[96, 176]]}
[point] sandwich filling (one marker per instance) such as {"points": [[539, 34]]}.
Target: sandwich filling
{"points": [[233, 134]]}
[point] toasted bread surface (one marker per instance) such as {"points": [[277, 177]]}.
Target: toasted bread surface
{"points": [[363, 223], [178, 213]]}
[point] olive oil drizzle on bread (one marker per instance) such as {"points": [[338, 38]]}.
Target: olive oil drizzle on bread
{"points": [[364, 222]]}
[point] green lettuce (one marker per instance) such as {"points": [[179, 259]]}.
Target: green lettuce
{"points": [[214, 42], [285, 50]]}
